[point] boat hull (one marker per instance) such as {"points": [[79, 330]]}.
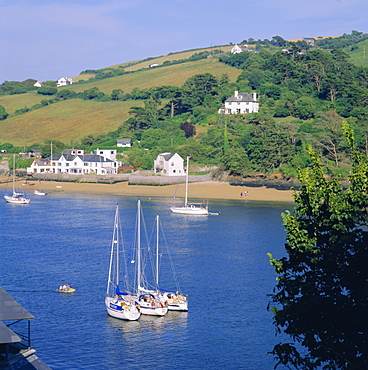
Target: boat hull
{"points": [[16, 199], [153, 311], [71, 290], [200, 211], [122, 310]]}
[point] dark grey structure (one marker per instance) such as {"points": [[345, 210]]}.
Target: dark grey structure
{"points": [[15, 348]]}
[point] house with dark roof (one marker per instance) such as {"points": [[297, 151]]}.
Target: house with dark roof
{"points": [[240, 103], [101, 162], [169, 164]]}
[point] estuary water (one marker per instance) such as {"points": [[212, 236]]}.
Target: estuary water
{"points": [[220, 261]]}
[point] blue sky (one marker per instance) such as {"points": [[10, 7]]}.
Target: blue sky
{"points": [[49, 39]]}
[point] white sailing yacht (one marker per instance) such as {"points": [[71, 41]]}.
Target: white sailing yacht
{"points": [[190, 208], [175, 300], [16, 197], [150, 303], [119, 304]]}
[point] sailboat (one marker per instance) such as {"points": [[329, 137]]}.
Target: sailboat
{"points": [[119, 304], [190, 208], [174, 300], [150, 303], [16, 197]]}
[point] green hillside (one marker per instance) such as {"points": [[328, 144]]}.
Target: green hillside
{"points": [[73, 119], [358, 53]]}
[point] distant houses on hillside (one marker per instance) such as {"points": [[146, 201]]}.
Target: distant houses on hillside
{"points": [[124, 143], [64, 81], [236, 49]]}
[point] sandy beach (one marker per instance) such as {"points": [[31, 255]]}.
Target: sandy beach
{"points": [[201, 190]]}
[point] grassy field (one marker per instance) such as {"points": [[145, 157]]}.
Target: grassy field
{"points": [[73, 119], [358, 56], [13, 102], [175, 75], [65, 121]]}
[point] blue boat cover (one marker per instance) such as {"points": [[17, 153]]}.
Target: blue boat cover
{"points": [[118, 292], [166, 290]]}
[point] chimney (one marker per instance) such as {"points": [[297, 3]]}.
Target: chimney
{"points": [[235, 93], [254, 96]]}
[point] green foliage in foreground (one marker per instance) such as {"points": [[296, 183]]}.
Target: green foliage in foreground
{"points": [[321, 297]]}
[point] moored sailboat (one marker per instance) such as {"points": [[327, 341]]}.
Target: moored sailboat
{"points": [[150, 303], [119, 304], [174, 300], [16, 197], [190, 208]]}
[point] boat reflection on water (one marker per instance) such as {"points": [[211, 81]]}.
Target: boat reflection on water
{"points": [[171, 321]]}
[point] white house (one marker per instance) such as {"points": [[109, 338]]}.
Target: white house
{"points": [[124, 143], [106, 153], [169, 164], [239, 49], [153, 65], [240, 103], [38, 84], [64, 81], [77, 164]]}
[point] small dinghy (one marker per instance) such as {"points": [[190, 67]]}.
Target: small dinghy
{"points": [[66, 288]]}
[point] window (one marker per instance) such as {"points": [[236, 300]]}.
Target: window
{"points": [[237, 110], [172, 164], [67, 164], [85, 164]]}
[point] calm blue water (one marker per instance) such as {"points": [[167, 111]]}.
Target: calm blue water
{"points": [[221, 263]]}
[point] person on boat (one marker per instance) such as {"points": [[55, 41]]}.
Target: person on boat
{"points": [[60, 287]]}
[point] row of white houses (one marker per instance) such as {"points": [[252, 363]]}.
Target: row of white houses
{"points": [[100, 162], [74, 161]]}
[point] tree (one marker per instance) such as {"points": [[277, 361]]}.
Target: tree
{"points": [[117, 94], [3, 114], [321, 295], [189, 128], [47, 90], [57, 148]]}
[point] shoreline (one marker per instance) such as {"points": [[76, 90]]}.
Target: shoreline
{"points": [[198, 190]]}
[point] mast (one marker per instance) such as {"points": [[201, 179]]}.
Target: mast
{"points": [[157, 236], [51, 158], [13, 174], [114, 241], [186, 183], [139, 244]]}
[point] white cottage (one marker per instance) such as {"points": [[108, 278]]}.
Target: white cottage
{"points": [[239, 49], [169, 164], [124, 143], [240, 103], [64, 81]]}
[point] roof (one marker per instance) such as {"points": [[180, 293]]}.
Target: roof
{"points": [[10, 309], [7, 335], [93, 158], [124, 140], [241, 97], [167, 156]]}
